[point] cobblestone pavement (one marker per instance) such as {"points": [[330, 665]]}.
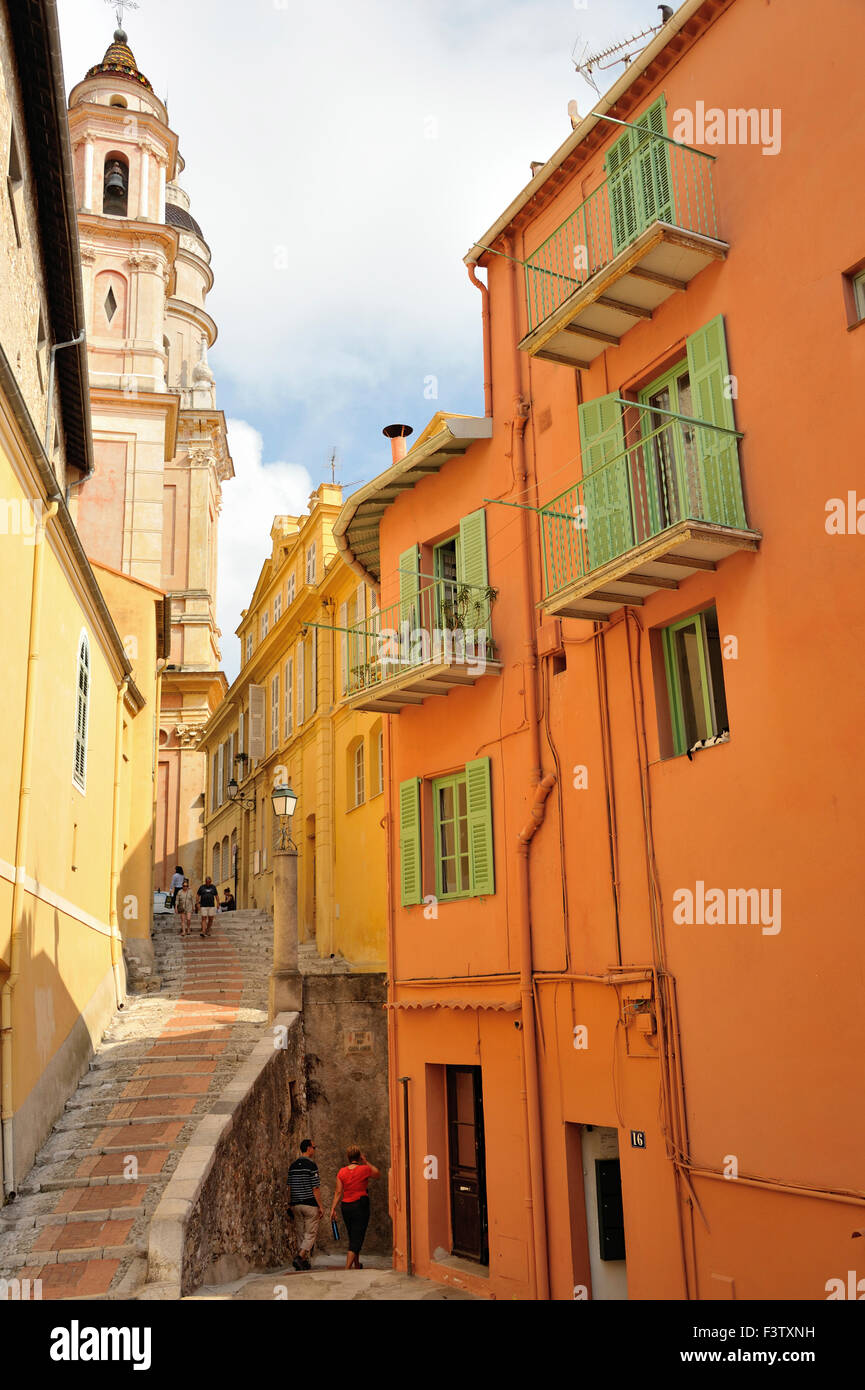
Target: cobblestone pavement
{"points": [[328, 1280], [80, 1220]]}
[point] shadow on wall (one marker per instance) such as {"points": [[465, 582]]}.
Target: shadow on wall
{"points": [[345, 1028]]}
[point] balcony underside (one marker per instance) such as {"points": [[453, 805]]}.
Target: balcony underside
{"points": [[412, 687], [662, 260], [661, 562]]}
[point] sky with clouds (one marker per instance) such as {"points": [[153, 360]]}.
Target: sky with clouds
{"points": [[341, 159]]}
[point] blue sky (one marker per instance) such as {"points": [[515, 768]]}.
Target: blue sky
{"points": [[341, 159]]}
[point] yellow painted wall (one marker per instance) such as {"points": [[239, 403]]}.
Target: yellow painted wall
{"points": [[341, 871], [65, 993]]}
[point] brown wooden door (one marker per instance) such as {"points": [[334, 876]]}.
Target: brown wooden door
{"points": [[467, 1163]]}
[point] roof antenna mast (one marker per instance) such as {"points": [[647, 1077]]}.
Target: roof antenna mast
{"points": [[623, 52]]}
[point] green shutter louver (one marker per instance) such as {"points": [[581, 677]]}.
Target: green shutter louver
{"points": [[606, 487], [639, 178], [480, 827], [409, 586], [717, 454], [409, 842], [472, 568]]}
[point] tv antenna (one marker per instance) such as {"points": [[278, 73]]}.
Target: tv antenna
{"points": [[622, 52], [334, 467]]}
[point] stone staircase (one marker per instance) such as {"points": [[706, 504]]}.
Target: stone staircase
{"points": [[80, 1220]]}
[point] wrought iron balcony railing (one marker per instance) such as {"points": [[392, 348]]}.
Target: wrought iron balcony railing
{"points": [[678, 470], [659, 181], [435, 622]]}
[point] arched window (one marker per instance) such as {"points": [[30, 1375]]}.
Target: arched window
{"points": [[214, 868], [226, 863], [118, 101], [82, 712], [356, 774], [376, 759], [115, 185], [233, 852]]}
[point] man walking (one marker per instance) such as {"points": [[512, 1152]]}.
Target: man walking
{"points": [[208, 894], [304, 1195]]}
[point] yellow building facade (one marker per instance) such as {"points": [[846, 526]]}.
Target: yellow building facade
{"points": [[285, 719], [79, 717]]}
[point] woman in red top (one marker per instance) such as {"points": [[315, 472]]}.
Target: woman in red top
{"points": [[351, 1190]]}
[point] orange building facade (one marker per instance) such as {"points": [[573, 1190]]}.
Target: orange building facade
{"points": [[624, 869]]}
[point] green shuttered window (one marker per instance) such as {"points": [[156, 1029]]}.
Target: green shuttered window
{"points": [[462, 835], [639, 182]]}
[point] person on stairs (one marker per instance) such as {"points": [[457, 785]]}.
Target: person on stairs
{"points": [[304, 1194], [208, 895], [352, 1192], [184, 906]]}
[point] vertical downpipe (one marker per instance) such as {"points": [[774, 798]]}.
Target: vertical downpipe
{"points": [[403, 1081]]}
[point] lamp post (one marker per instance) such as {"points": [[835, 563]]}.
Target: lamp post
{"points": [[286, 985]]}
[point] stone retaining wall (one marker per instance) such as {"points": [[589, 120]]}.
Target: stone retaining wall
{"points": [[225, 1211]]}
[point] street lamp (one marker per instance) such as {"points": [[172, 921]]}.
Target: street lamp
{"points": [[284, 801], [247, 803]]}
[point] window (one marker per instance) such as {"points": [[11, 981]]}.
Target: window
{"points": [[376, 758], [300, 661], [858, 282], [41, 351], [249, 646], [693, 663], [220, 775], [310, 563], [226, 859], [215, 859], [639, 183], [462, 835], [357, 769], [15, 185], [313, 670], [344, 636], [241, 746], [289, 696], [82, 713], [451, 820], [289, 591], [274, 712], [264, 619], [277, 608]]}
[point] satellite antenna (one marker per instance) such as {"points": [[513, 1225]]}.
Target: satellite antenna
{"points": [[622, 52]]}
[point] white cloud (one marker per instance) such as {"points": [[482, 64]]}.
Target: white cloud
{"points": [[259, 492]]}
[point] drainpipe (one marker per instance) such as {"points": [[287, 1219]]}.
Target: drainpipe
{"points": [[21, 839], [49, 404], [114, 878], [403, 1081], [392, 1032], [488, 356], [527, 1000], [542, 787]]}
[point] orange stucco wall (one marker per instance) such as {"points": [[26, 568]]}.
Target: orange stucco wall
{"points": [[770, 1023]]}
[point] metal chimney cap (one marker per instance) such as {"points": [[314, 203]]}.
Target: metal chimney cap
{"points": [[397, 431]]}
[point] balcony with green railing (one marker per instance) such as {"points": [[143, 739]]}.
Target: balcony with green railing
{"points": [[640, 236], [664, 507], [435, 638]]}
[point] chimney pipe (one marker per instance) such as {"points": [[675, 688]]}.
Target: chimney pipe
{"points": [[397, 434]]}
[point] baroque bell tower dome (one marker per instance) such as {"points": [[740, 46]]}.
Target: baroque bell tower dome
{"points": [[150, 507]]}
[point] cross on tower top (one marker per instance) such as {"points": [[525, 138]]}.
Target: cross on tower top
{"points": [[118, 6]]}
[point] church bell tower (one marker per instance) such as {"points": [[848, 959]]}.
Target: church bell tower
{"points": [[150, 507]]}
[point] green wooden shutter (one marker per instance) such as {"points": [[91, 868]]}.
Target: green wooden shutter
{"points": [[482, 877], [606, 490], [654, 195], [718, 475], [472, 568], [639, 183], [409, 585], [409, 841], [621, 179]]}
